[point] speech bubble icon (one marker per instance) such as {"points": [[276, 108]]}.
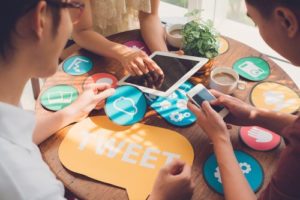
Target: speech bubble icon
{"points": [[127, 157]]}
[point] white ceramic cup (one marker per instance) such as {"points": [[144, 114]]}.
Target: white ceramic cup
{"points": [[174, 40], [226, 88]]}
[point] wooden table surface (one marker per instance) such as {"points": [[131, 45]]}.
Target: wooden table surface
{"points": [[86, 188]]}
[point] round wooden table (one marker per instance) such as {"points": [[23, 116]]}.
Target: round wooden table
{"points": [[87, 188]]}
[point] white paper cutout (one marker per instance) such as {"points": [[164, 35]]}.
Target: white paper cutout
{"points": [[260, 135]]}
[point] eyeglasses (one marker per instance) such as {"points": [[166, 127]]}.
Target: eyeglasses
{"points": [[75, 8]]}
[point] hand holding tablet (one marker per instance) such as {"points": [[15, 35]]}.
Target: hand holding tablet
{"points": [[176, 69]]}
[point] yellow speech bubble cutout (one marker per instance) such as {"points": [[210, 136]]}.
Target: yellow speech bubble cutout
{"points": [[127, 157]]}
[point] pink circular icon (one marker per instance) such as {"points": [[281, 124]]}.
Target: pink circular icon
{"points": [[138, 45], [101, 78], [259, 139]]}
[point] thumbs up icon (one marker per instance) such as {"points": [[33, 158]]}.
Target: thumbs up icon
{"points": [[260, 135]]}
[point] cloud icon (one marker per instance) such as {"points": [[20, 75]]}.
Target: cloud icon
{"points": [[125, 105]]}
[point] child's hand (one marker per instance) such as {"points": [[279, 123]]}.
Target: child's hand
{"points": [[88, 100], [173, 182], [210, 121], [137, 63]]}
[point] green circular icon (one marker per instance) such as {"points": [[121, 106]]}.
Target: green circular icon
{"points": [[252, 68], [58, 97]]}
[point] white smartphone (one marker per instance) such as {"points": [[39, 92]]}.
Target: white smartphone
{"points": [[199, 93], [177, 69]]}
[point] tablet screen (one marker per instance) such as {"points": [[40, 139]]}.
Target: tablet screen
{"points": [[174, 69]]}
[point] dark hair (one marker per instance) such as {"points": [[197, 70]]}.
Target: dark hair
{"points": [[10, 12], [266, 7]]}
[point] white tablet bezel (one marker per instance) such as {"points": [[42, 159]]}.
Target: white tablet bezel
{"points": [[195, 90], [201, 63]]}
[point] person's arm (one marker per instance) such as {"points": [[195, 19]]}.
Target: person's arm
{"points": [[135, 62], [274, 121], [50, 124], [85, 36], [234, 182], [243, 114], [152, 29]]}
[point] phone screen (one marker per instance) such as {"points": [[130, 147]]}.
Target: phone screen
{"points": [[204, 95]]}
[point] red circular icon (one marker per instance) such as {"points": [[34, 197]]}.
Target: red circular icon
{"points": [[259, 139], [101, 78]]}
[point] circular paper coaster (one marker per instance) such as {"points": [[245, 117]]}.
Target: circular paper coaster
{"points": [[77, 65], [276, 97], [224, 45], [127, 106], [259, 139], [138, 45], [58, 97], [252, 68], [250, 167], [101, 78]]}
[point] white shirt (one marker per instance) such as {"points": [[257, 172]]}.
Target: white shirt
{"points": [[23, 173]]}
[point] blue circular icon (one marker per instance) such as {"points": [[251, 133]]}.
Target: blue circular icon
{"points": [[77, 65], [250, 167], [174, 107], [127, 106]]}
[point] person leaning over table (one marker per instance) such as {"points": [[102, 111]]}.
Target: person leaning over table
{"points": [[102, 18], [279, 25], [32, 36]]}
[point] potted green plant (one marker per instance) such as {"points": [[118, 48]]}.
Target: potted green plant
{"points": [[199, 38]]}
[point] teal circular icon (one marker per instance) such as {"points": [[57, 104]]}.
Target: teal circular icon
{"points": [[127, 106], [77, 65], [252, 68], [58, 97], [250, 167]]}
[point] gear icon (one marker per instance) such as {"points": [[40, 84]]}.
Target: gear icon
{"points": [[218, 175], [245, 167], [176, 116]]}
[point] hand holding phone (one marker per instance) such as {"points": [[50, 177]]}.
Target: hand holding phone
{"points": [[199, 94]]}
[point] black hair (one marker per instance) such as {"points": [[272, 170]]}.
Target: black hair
{"points": [[266, 7], [10, 12]]}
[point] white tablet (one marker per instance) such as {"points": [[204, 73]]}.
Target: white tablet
{"points": [[177, 69]]}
